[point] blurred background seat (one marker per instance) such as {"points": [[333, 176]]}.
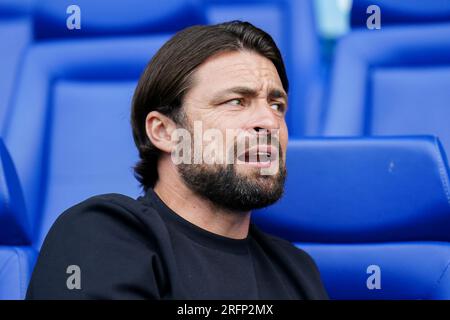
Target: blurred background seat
{"points": [[353, 203], [363, 190], [402, 12], [384, 271], [15, 34], [17, 256], [13, 219], [26, 23], [393, 82], [291, 23], [102, 18], [16, 265]]}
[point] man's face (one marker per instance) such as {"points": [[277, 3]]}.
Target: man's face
{"points": [[240, 95]]}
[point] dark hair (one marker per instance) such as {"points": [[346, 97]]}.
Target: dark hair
{"points": [[168, 76]]}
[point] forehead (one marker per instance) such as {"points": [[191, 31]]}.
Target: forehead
{"points": [[237, 68]]}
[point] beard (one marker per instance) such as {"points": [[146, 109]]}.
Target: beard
{"points": [[229, 189]]}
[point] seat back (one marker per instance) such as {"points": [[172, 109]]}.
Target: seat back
{"points": [[17, 257], [16, 265], [393, 82], [14, 221], [402, 12], [353, 190], [113, 18], [388, 271], [374, 213], [15, 19]]}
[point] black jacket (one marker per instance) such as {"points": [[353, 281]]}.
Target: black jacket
{"points": [[115, 247]]}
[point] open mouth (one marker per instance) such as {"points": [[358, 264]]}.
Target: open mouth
{"points": [[259, 155]]}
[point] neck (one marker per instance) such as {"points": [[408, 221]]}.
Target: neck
{"points": [[198, 210]]}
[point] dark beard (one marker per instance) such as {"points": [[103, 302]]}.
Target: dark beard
{"points": [[224, 187]]}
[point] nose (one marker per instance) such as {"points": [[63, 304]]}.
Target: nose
{"points": [[264, 119]]}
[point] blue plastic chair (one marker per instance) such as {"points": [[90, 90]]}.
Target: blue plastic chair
{"points": [[392, 82], [356, 203], [17, 257], [405, 12]]}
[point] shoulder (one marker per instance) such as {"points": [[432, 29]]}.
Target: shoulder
{"points": [[103, 212], [104, 225], [102, 205], [113, 239]]}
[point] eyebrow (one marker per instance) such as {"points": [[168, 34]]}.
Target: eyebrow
{"points": [[249, 92]]}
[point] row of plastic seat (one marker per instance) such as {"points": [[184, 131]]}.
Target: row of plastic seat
{"points": [[17, 255], [378, 208], [393, 82], [360, 203], [113, 19], [373, 212], [290, 22]]}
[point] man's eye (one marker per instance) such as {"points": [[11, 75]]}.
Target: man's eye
{"points": [[235, 102], [277, 107]]}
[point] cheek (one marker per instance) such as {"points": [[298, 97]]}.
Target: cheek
{"points": [[284, 137], [217, 119]]}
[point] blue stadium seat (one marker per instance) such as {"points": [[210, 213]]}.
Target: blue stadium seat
{"points": [[306, 71], [74, 101], [11, 9], [363, 190], [16, 265], [113, 18], [33, 21], [292, 25], [15, 20], [391, 82], [17, 256], [14, 221], [270, 15], [406, 270], [359, 202], [402, 12]]}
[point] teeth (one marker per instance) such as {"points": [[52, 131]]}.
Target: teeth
{"points": [[263, 154], [257, 155]]}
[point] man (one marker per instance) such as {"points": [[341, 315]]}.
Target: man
{"points": [[190, 236]]}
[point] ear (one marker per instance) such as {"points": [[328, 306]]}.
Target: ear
{"points": [[159, 130]]}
